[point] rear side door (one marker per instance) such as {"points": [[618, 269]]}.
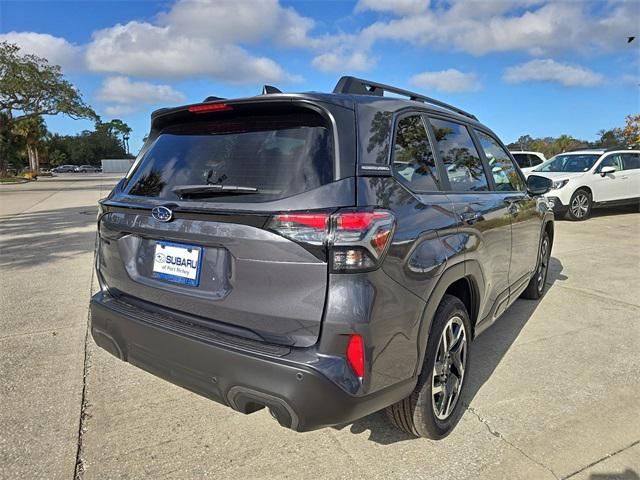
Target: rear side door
{"points": [[631, 169], [483, 215], [612, 186], [526, 221]]}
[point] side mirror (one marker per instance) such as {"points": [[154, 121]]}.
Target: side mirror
{"points": [[607, 170], [537, 185]]}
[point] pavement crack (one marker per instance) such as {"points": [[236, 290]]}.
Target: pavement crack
{"points": [[606, 457], [602, 297], [80, 461], [79, 465], [497, 434]]}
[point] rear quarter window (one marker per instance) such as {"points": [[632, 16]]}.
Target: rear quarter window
{"points": [[522, 159], [278, 155]]}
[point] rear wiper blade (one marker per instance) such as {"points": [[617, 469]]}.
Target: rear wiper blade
{"points": [[212, 190]]}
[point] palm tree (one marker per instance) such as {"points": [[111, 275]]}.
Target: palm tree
{"points": [[33, 130], [564, 142]]}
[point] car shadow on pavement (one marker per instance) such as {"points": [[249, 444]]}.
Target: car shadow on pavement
{"points": [[607, 212], [487, 352], [628, 474], [34, 238]]}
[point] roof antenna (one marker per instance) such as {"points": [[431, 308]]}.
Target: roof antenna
{"points": [[268, 89]]}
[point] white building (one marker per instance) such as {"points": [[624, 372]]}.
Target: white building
{"points": [[117, 165]]}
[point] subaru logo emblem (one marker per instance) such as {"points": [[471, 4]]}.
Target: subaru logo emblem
{"points": [[162, 214]]}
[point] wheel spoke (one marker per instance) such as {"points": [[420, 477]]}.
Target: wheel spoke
{"points": [[438, 369], [457, 356], [446, 402], [445, 339], [455, 337]]}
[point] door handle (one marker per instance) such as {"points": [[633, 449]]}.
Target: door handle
{"points": [[512, 203], [470, 217]]}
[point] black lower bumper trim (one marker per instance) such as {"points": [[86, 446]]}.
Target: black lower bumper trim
{"points": [[557, 206], [298, 396]]}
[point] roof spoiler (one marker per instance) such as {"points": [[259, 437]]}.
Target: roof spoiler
{"points": [[358, 86]]}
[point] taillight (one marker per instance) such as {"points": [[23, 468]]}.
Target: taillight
{"points": [[301, 227], [359, 239], [355, 354], [356, 239], [210, 107]]}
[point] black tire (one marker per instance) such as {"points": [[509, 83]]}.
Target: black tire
{"points": [[535, 289], [416, 414], [580, 200]]}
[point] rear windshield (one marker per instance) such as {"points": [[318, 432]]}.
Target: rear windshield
{"points": [[266, 156]]}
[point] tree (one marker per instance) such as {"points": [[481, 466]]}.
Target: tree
{"points": [[116, 127], [30, 87], [33, 130], [524, 142], [564, 142], [631, 131], [610, 138]]}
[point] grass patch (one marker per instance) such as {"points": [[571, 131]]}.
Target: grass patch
{"points": [[12, 179]]}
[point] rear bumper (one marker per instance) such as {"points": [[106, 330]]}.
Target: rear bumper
{"points": [[298, 395]]}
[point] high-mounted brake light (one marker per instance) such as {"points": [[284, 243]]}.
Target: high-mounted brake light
{"points": [[210, 107], [355, 354], [356, 239]]}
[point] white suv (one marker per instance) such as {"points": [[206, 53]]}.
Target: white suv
{"points": [[586, 179], [527, 161]]}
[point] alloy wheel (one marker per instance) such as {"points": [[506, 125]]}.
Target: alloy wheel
{"points": [[449, 367], [543, 263], [580, 205]]}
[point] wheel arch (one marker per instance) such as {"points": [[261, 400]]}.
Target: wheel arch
{"points": [[586, 188], [463, 280]]}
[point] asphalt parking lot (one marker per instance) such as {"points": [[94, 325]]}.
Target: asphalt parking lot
{"points": [[554, 390]]}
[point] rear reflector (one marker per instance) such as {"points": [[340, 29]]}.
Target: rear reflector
{"points": [[355, 354], [210, 107]]}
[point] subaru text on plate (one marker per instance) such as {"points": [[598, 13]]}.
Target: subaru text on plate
{"points": [[322, 255]]}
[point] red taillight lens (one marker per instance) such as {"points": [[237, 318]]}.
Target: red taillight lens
{"points": [[301, 227], [210, 107], [358, 220], [355, 354], [312, 220]]}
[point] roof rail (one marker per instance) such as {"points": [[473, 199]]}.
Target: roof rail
{"points": [[359, 86], [624, 147]]}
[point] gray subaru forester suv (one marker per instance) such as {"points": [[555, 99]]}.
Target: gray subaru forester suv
{"points": [[322, 255]]}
